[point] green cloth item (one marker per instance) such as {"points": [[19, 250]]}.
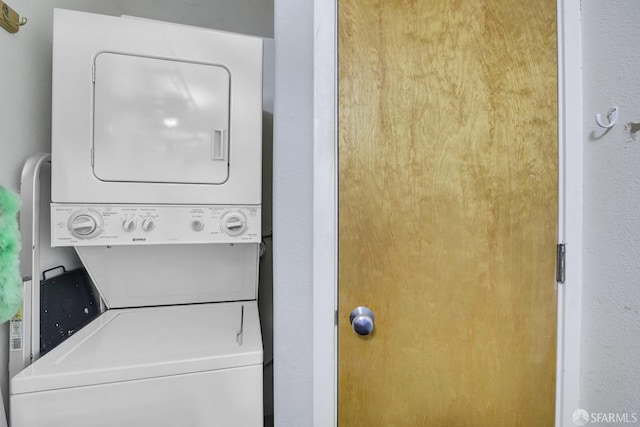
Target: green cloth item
{"points": [[10, 280]]}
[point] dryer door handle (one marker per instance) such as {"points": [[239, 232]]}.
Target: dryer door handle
{"points": [[218, 144]]}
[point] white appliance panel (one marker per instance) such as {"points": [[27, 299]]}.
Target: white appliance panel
{"points": [[102, 225], [141, 276], [222, 398], [82, 38], [134, 344], [159, 120]]}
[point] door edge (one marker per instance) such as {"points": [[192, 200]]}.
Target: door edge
{"points": [[569, 31], [325, 214]]}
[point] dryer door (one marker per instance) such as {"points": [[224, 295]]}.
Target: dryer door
{"points": [[160, 120]]}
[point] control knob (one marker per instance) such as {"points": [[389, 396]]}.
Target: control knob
{"points": [[129, 224], [234, 223], [148, 223], [85, 224], [197, 225]]}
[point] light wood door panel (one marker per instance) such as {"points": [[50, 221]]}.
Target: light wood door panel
{"points": [[447, 212]]}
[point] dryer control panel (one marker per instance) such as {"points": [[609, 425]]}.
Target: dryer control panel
{"points": [[107, 225]]}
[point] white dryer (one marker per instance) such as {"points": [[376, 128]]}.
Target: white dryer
{"points": [[151, 113], [156, 182]]}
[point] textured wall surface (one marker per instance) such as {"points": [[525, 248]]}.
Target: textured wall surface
{"points": [[610, 377]]}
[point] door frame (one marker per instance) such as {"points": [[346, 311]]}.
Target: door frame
{"points": [[325, 212]]}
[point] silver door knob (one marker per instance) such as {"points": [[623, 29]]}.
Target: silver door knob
{"points": [[361, 319]]}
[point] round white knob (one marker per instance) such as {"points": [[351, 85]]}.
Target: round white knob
{"points": [[129, 224], [197, 224], [85, 224], [148, 223], [234, 223]]}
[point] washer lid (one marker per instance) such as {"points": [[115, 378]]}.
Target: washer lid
{"points": [[131, 344]]}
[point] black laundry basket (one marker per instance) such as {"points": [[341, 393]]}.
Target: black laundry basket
{"points": [[67, 303]]}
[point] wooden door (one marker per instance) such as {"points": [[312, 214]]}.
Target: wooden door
{"points": [[447, 212]]}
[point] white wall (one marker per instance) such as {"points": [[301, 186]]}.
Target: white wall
{"points": [[610, 374], [253, 17], [293, 212], [25, 79], [25, 76]]}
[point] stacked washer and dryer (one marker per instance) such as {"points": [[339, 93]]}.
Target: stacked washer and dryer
{"points": [[156, 182]]}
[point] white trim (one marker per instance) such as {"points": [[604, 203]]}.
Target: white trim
{"points": [[325, 223], [569, 208], [325, 214]]}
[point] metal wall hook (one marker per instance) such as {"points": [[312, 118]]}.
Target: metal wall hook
{"points": [[612, 117], [9, 19], [5, 15]]}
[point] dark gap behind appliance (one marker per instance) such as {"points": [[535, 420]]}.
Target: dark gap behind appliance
{"points": [[67, 303]]}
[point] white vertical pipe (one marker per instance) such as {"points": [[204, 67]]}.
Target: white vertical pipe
{"points": [[325, 214]]}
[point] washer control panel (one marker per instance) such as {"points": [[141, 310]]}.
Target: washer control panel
{"points": [[106, 225]]}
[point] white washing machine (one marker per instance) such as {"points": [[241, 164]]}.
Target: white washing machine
{"points": [[156, 366], [156, 182]]}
